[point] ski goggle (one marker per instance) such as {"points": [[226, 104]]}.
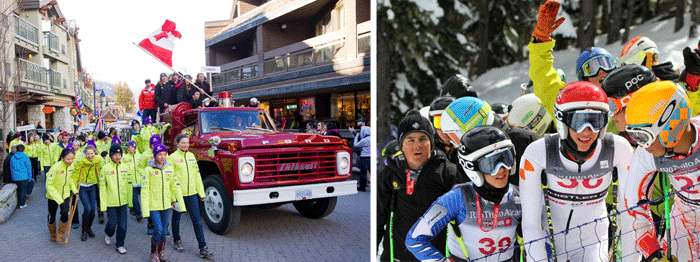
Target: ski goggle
{"points": [[436, 121], [491, 163], [594, 64], [617, 104], [641, 134], [581, 119]]}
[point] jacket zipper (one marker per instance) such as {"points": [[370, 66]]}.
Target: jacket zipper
{"points": [[187, 175], [65, 179], [162, 185], [119, 194]]}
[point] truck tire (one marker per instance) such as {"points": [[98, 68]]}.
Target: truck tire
{"points": [[218, 210], [316, 208]]}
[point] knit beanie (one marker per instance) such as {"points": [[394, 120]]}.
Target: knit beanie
{"points": [[91, 143], [115, 149], [116, 141], [414, 122], [131, 143], [157, 148], [155, 139]]}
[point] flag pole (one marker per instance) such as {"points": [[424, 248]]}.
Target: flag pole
{"points": [[171, 68]]}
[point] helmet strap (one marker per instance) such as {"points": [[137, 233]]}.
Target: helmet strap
{"points": [[570, 150]]}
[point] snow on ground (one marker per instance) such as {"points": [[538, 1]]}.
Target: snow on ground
{"points": [[502, 85]]}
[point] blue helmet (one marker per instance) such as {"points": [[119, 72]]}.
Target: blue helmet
{"points": [[593, 59]]}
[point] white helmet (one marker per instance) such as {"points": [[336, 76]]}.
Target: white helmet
{"points": [[637, 52], [254, 101], [528, 113], [425, 112]]}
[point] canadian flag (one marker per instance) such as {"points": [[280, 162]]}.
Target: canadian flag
{"points": [[161, 42]]}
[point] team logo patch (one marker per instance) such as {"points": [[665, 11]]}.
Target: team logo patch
{"points": [[395, 184], [416, 125], [180, 160], [112, 173], [604, 164], [61, 172]]}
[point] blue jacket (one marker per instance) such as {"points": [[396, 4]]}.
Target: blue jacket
{"points": [[362, 140], [21, 167]]}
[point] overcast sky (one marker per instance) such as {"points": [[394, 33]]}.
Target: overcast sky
{"points": [[107, 30]]}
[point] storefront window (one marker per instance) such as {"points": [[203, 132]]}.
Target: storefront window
{"points": [[308, 108], [343, 109]]}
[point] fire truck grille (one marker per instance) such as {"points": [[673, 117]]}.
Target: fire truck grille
{"points": [[294, 166]]}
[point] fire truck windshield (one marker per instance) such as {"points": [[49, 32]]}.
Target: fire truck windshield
{"points": [[226, 121]]}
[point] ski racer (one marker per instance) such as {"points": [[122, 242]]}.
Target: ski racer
{"points": [[577, 164], [658, 119], [486, 209]]}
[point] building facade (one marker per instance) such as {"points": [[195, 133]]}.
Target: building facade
{"points": [[305, 60], [46, 66]]}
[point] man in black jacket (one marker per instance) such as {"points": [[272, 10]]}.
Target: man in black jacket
{"points": [[409, 185], [163, 92], [174, 85]]}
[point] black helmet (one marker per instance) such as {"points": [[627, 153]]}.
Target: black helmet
{"points": [[475, 150], [390, 149], [500, 109], [148, 81], [438, 106], [458, 86], [626, 79]]}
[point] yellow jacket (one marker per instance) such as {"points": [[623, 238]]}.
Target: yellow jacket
{"points": [[187, 171], [159, 189], [546, 82], [88, 171], [115, 185], [59, 185], [134, 163], [49, 154]]}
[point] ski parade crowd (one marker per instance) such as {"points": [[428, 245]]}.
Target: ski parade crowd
{"points": [[605, 168], [108, 175]]}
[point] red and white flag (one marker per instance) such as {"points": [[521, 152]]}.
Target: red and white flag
{"points": [[161, 42]]}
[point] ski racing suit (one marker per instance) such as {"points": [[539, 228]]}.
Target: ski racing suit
{"points": [[474, 215], [576, 197], [684, 176]]}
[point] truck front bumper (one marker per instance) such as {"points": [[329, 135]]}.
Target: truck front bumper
{"points": [[293, 193]]}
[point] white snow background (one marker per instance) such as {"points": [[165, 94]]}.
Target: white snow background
{"points": [[502, 85]]}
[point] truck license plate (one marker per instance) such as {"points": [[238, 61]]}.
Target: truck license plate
{"points": [[303, 194]]}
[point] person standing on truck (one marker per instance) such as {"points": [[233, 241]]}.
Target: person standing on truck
{"points": [[160, 192], [147, 101], [162, 94], [115, 190], [187, 172], [174, 85]]}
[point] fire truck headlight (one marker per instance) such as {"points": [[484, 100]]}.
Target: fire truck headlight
{"points": [[342, 161], [246, 169]]}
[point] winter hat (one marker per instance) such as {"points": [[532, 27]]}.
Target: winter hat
{"points": [[91, 143], [70, 140], [69, 146], [131, 143], [63, 133], [155, 139], [157, 148], [133, 122], [116, 141], [148, 81], [414, 122], [45, 137], [115, 149], [163, 74], [101, 135], [147, 120]]}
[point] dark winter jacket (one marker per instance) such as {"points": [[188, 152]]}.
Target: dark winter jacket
{"points": [[162, 96], [521, 138], [184, 95], [174, 90], [6, 169], [437, 176], [147, 98]]}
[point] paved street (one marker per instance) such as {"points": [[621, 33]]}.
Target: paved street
{"points": [[278, 234]]}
